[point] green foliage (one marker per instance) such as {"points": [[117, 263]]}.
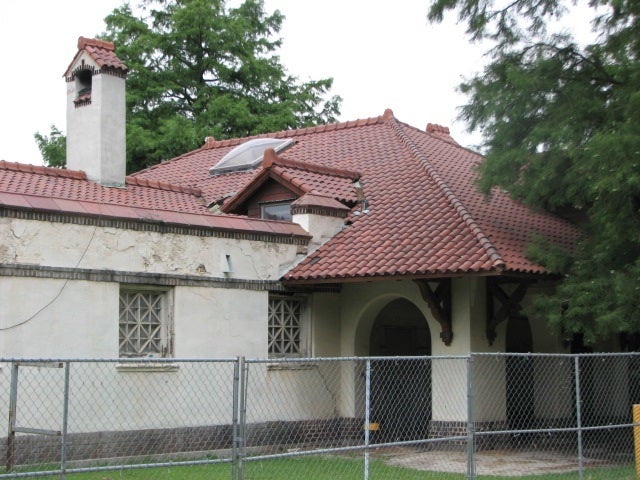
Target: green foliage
{"points": [[53, 147], [198, 68], [561, 128]]}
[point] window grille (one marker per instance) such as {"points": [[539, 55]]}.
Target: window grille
{"points": [[286, 326], [144, 329]]}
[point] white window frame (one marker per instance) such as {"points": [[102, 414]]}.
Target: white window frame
{"points": [[165, 347], [304, 327]]}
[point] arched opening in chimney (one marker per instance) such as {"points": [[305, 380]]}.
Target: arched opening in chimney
{"points": [[83, 80]]}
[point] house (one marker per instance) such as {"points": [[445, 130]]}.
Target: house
{"points": [[361, 238]]}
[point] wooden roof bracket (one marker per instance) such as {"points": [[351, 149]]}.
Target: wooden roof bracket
{"points": [[509, 305], [439, 302]]}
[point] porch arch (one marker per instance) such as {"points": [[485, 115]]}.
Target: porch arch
{"points": [[393, 303], [400, 388]]}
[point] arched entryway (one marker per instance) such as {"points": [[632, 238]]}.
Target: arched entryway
{"points": [[520, 387], [401, 388]]}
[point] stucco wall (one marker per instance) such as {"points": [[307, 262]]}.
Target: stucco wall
{"points": [[213, 323], [105, 248], [326, 328], [321, 227], [76, 319], [69, 317], [89, 309], [83, 306]]}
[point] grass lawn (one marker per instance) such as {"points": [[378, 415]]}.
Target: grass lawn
{"points": [[327, 468]]}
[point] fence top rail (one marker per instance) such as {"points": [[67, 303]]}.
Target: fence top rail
{"points": [[305, 360], [311, 360], [145, 360], [557, 355]]}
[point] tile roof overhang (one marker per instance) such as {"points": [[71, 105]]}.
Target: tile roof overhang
{"points": [[322, 201], [144, 201], [424, 215]]}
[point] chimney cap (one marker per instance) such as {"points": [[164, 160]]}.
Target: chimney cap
{"points": [[84, 42], [102, 53]]}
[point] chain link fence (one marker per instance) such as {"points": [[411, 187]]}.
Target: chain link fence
{"points": [[484, 415]]}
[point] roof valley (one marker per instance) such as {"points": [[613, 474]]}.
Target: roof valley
{"points": [[465, 215]]}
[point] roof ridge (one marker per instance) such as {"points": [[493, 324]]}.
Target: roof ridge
{"points": [[211, 143], [270, 158], [459, 207], [361, 122], [144, 182], [42, 170]]}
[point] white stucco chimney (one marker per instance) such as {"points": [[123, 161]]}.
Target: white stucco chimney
{"points": [[96, 113]]}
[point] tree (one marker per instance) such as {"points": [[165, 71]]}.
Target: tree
{"points": [[199, 68], [53, 148], [561, 130]]}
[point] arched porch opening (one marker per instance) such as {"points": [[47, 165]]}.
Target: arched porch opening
{"points": [[400, 387]]}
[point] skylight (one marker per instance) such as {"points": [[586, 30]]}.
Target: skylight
{"points": [[248, 155]]}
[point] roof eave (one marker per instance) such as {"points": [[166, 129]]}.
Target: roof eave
{"points": [[410, 276]]}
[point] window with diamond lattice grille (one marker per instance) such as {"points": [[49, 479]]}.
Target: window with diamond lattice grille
{"points": [[144, 329], [286, 327]]}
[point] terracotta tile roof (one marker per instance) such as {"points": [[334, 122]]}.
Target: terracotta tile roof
{"points": [[69, 192], [192, 168], [425, 215], [102, 52]]}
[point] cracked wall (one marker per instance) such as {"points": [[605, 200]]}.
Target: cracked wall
{"points": [[80, 246]]}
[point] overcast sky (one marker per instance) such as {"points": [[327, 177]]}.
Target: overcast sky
{"points": [[381, 54]]}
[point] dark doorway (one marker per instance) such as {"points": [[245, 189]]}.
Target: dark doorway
{"points": [[586, 367], [520, 375], [401, 388]]}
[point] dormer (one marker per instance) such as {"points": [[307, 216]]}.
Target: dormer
{"points": [[96, 112], [316, 197]]}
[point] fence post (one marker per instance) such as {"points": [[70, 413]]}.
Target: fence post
{"points": [[471, 449], [234, 421], [367, 417], [576, 362], [242, 421], [13, 402], [65, 420], [636, 436]]}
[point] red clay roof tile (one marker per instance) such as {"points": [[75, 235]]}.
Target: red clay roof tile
{"points": [[64, 191], [424, 215]]}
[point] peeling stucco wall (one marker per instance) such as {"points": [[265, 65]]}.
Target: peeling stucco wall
{"points": [[83, 246]]}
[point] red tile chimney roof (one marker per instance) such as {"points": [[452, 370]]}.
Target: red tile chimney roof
{"points": [[102, 52]]}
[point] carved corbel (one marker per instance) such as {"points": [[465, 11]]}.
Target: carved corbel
{"points": [[439, 302], [508, 305]]}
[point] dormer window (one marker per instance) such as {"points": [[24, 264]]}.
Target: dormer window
{"points": [[276, 211], [83, 81]]}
